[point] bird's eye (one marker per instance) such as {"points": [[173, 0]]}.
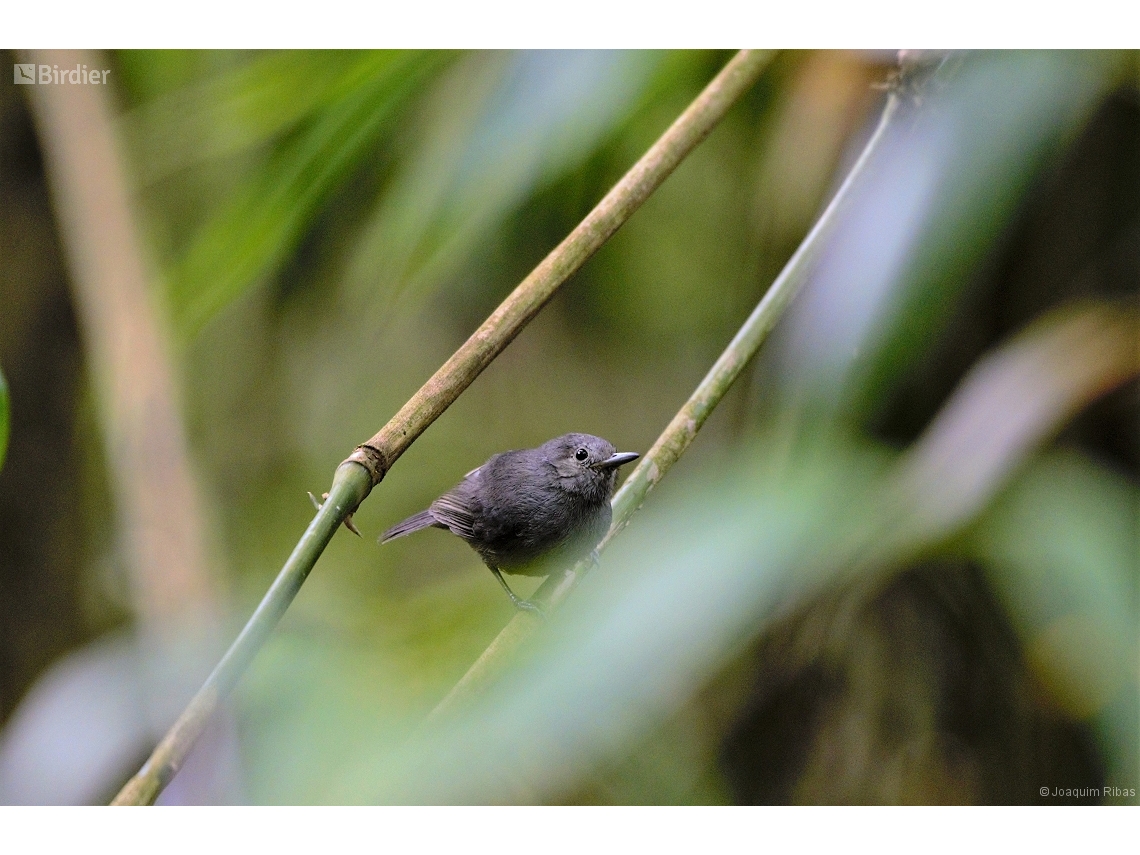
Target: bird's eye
{"points": [[581, 454]]}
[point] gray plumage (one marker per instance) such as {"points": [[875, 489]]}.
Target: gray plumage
{"points": [[530, 511]]}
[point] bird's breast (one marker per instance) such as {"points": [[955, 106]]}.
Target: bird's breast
{"points": [[537, 534]]}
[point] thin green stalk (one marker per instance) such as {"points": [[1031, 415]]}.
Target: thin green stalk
{"points": [[368, 464], [677, 437], [350, 486]]}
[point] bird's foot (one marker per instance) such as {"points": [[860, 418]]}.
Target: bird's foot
{"points": [[520, 604], [527, 606]]}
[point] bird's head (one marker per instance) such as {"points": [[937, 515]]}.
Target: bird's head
{"points": [[586, 464]]}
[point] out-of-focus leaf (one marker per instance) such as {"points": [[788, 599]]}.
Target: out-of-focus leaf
{"points": [[935, 198], [3, 418], [1007, 404], [319, 695], [89, 717], [251, 236], [1062, 547], [498, 128], [148, 75], [77, 730], [243, 107]]}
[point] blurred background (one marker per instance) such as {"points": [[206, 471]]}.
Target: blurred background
{"points": [[858, 586]]}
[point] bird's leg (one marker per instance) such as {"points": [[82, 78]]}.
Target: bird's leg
{"points": [[520, 603]]}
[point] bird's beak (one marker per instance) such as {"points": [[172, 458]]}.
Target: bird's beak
{"points": [[616, 460]]}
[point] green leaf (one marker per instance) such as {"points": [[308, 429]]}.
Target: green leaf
{"points": [[249, 238], [240, 108], [498, 128], [1061, 548]]}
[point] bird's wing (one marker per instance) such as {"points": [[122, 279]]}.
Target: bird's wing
{"points": [[453, 510]]}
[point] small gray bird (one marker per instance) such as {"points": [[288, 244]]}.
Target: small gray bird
{"points": [[527, 512]]}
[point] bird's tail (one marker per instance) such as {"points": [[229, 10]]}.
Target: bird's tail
{"points": [[424, 519]]}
